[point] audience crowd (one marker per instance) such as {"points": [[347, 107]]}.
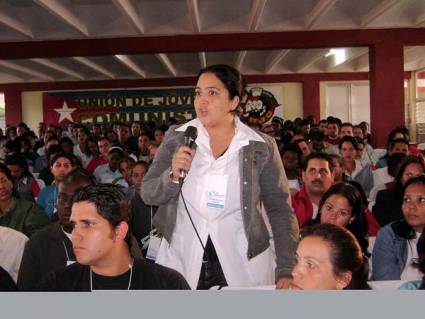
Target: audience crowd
{"points": [[75, 194]]}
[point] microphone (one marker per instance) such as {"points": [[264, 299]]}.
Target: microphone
{"points": [[189, 140]]}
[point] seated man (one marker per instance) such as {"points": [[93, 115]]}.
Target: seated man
{"points": [[60, 165], [100, 238], [51, 248], [107, 173], [318, 178]]}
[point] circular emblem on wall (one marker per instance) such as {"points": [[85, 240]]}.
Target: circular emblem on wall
{"points": [[258, 106]]}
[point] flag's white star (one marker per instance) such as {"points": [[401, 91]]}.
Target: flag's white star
{"points": [[65, 112]]}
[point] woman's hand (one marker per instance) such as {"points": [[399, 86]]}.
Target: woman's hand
{"points": [[283, 283], [182, 159]]}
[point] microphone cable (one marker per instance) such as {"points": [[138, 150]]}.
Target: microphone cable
{"points": [[193, 224]]}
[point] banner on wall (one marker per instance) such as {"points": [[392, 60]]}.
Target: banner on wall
{"points": [[158, 105]]}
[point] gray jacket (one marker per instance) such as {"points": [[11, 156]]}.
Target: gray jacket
{"points": [[263, 180]]}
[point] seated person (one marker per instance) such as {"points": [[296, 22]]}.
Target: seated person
{"points": [[141, 215], [100, 238], [395, 247], [372, 225], [51, 248], [394, 163], [23, 181], [396, 145], [388, 202], [354, 169], [317, 140], [103, 145], [26, 151], [333, 129], [318, 178], [17, 213], [142, 153], [60, 165], [43, 161], [126, 168], [329, 257], [342, 205], [46, 174], [338, 168], [107, 173], [291, 159]]}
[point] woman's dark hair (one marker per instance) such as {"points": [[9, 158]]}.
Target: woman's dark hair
{"points": [[229, 76], [73, 160], [359, 140], [66, 140], [53, 149], [350, 139], [409, 159], [144, 163], [358, 226], [402, 228], [420, 263], [85, 130], [401, 129], [18, 160], [292, 147], [6, 171], [397, 141], [394, 161], [345, 253]]}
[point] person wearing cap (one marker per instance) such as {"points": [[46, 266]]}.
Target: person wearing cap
{"points": [[109, 172]]}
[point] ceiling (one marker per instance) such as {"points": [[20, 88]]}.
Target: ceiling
{"points": [[43, 20]]}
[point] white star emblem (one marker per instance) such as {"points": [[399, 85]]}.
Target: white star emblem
{"points": [[65, 112]]}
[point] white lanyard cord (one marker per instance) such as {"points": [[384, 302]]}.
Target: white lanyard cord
{"points": [[66, 251]]}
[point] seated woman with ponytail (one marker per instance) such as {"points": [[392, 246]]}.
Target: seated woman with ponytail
{"points": [[329, 257]]}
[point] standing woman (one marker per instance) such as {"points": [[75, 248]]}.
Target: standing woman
{"points": [[213, 230]]}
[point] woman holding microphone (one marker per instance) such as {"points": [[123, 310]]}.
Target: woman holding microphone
{"points": [[213, 226]]}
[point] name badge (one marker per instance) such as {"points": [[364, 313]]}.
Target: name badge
{"points": [[154, 243], [216, 191]]}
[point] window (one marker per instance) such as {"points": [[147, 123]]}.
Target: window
{"points": [[420, 106], [348, 101]]}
